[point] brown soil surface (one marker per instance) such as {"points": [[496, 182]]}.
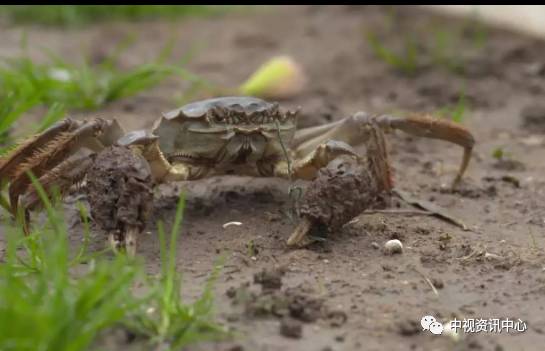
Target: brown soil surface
{"points": [[383, 297]]}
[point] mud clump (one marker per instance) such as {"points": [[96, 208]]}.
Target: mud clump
{"points": [[533, 117], [291, 328], [269, 279], [292, 306], [120, 191]]}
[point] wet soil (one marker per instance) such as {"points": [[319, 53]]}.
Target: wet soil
{"points": [[494, 270]]}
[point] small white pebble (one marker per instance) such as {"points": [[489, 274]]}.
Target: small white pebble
{"points": [[253, 258], [393, 247], [492, 257], [231, 223], [326, 261], [375, 245]]}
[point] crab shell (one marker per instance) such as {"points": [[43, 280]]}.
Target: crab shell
{"points": [[225, 130]]}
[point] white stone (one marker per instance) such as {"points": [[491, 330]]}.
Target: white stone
{"points": [[393, 247]]}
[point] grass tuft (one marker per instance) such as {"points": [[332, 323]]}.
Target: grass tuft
{"points": [[81, 15], [166, 320], [429, 45], [42, 306], [60, 86], [405, 62], [457, 112], [50, 300]]}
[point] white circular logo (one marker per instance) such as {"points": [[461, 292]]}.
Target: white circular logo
{"points": [[426, 321], [436, 328]]}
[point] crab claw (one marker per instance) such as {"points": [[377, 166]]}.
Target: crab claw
{"points": [[124, 242]]}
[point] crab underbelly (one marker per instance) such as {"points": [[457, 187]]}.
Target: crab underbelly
{"points": [[241, 155]]}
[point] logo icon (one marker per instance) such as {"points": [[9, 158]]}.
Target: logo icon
{"points": [[431, 324]]}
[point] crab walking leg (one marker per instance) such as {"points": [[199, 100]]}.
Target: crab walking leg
{"points": [[429, 127], [378, 161], [130, 227], [300, 233], [65, 175], [59, 148], [70, 172], [162, 171], [124, 241], [33, 145], [305, 134], [354, 130], [307, 167]]}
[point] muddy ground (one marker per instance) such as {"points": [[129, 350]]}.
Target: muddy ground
{"points": [[382, 297]]}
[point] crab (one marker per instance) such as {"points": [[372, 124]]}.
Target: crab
{"points": [[243, 136]]}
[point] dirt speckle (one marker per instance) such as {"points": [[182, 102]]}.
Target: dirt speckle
{"points": [[296, 303], [408, 327], [509, 164], [533, 117], [269, 279], [291, 328]]}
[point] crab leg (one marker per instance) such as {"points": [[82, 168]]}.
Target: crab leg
{"points": [[64, 176], [31, 146], [48, 152], [429, 127], [161, 169], [354, 130], [307, 167], [51, 154]]}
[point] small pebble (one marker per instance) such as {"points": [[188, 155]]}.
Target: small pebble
{"points": [[393, 247], [375, 245], [492, 257]]}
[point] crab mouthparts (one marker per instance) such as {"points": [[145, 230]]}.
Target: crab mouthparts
{"points": [[241, 149], [243, 153]]}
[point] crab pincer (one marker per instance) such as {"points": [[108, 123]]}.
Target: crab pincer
{"points": [[343, 190]]}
